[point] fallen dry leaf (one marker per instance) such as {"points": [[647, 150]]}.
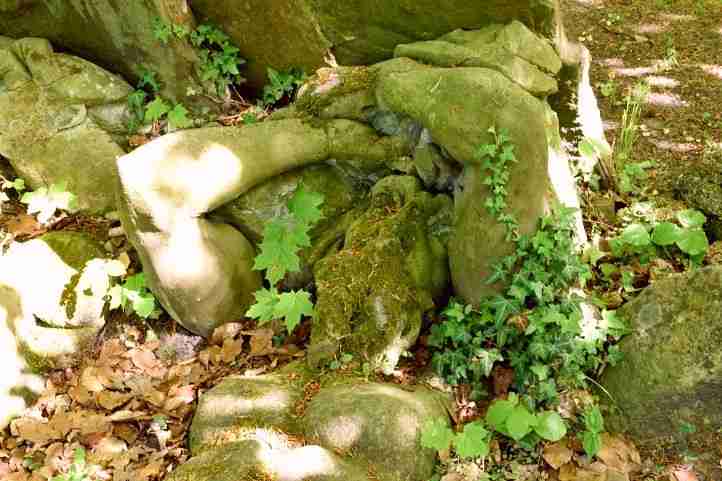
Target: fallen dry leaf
{"points": [[24, 225], [557, 454], [261, 342], [225, 331], [231, 349], [683, 473], [618, 454]]}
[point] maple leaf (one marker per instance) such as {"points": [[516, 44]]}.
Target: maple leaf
{"points": [[263, 309], [178, 117], [305, 206], [278, 249], [156, 110], [292, 306]]}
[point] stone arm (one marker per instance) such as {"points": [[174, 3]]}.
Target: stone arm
{"points": [[200, 270]]}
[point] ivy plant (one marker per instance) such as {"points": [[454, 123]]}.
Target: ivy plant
{"points": [[281, 84], [220, 60], [78, 470], [133, 295], [648, 240], [283, 238]]}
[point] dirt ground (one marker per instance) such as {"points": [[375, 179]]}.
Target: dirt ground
{"points": [[676, 47]]}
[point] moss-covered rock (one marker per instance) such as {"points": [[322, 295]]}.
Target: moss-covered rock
{"points": [[299, 33], [199, 269], [259, 460], [672, 364], [458, 106], [377, 424], [371, 295], [117, 35], [512, 50], [60, 280], [239, 408], [248, 427], [45, 129]]}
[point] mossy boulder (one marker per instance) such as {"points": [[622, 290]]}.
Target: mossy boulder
{"points": [[47, 130], [117, 35], [248, 427], [377, 424], [251, 212], [458, 106], [259, 460], [373, 293], [513, 50], [300, 33], [201, 270], [60, 281], [671, 371]]}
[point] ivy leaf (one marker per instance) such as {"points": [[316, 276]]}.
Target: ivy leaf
{"points": [[178, 117], [503, 307], [487, 358], [437, 435], [636, 235], [520, 423], [144, 305], [691, 218], [592, 443], [292, 306], [693, 242], [666, 234], [265, 305], [593, 420], [499, 412], [550, 426], [156, 110], [473, 441], [305, 206]]}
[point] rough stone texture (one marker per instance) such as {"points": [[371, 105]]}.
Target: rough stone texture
{"points": [[259, 460], [117, 34], [46, 130], [371, 295], [512, 50], [19, 387], [201, 270], [458, 106], [286, 33], [237, 407], [61, 280], [380, 424], [250, 426], [672, 366], [250, 212]]}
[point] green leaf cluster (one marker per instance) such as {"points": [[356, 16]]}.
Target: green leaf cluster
{"points": [[283, 238], [143, 112], [593, 428], [219, 58], [644, 240], [534, 324], [472, 442], [495, 161], [281, 84], [133, 294], [513, 419], [47, 200]]}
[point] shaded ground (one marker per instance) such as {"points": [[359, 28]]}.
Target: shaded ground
{"points": [[676, 47]]}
